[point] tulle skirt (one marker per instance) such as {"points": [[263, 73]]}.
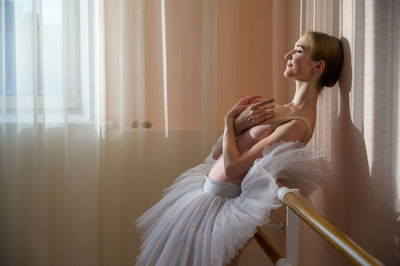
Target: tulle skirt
{"points": [[200, 221]]}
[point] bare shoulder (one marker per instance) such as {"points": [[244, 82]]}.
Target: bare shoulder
{"points": [[294, 130]]}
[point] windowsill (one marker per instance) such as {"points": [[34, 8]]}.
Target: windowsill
{"points": [[56, 119]]}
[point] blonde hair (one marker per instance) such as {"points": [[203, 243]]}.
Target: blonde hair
{"points": [[330, 50]]}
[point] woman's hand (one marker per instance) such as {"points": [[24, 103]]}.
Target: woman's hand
{"points": [[257, 110], [251, 111], [242, 104]]}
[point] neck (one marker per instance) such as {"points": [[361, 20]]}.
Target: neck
{"points": [[306, 96]]}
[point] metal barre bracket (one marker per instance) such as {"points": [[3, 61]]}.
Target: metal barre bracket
{"points": [[279, 225], [284, 262], [284, 190]]}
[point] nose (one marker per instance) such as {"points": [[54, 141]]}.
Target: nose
{"points": [[288, 56]]}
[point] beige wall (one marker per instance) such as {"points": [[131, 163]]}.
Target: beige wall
{"points": [[243, 51]]}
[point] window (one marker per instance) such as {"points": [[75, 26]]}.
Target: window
{"points": [[46, 63]]}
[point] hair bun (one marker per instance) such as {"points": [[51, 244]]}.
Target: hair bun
{"points": [[329, 81], [330, 50]]}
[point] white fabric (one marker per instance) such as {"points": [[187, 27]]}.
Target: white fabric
{"points": [[358, 126], [191, 227], [222, 189], [51, 119]]}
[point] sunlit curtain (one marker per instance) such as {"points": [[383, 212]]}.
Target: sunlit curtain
{"points": [[51, 116], [357, 125]]}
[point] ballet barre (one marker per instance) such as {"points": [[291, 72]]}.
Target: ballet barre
{"points": [[297, 208], [267, 246]]}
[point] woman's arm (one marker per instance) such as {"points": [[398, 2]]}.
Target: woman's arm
{"points": [[237, 164], [255, 113], [216, 150]]}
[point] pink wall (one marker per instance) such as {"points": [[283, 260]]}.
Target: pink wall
{"points": [[243, 65]]}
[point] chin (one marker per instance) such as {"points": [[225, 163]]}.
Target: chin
{"points": [[287, 75]]}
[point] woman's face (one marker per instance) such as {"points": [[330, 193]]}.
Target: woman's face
{"points": [[299, 63]]}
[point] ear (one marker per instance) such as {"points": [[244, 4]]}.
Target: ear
{"points": [[319, 66]]}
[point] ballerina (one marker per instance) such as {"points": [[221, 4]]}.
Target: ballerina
{"points": [[210, 212]]}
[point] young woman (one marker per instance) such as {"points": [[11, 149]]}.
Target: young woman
{"points": [[211, 211]]}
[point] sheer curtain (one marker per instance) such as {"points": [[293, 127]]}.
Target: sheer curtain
{"points": [[52, 113], [358, 127]]}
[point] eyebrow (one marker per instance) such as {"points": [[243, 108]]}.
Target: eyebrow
{"points": [[298, 45]]}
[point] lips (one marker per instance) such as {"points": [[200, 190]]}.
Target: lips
{"points": [[289, 65]]}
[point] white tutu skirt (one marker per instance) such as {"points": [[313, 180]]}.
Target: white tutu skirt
{"points": [[190, 226]]}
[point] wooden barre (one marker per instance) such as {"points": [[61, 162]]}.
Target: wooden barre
{"points": [[267, 246], [335, 237]]}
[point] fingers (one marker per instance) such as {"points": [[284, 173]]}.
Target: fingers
{"points": [[263, 103], [261, 108], [256, 98], [252, 110], [251, 99], [260, 111], [266, 115], [261, 115], [263, 111]]}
